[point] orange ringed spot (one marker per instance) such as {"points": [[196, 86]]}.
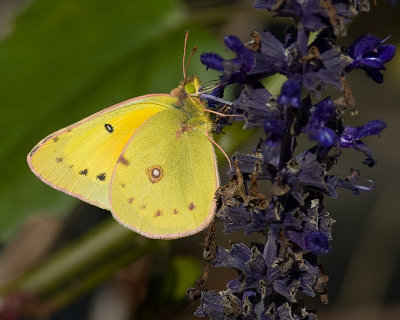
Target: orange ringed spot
{"points": [[155, 173], [192, 206]]}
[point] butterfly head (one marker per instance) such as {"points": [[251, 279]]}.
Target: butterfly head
{"points": [[187, 89]]}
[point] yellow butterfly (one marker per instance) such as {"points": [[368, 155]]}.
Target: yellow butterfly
{"points": [[149, 160]]}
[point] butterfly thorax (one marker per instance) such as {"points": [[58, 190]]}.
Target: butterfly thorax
{"points": [[188, 95]]}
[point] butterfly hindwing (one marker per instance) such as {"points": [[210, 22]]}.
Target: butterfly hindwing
{"points": [[164, 185], [80, 159]]}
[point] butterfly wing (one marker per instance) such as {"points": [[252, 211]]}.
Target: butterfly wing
{"points": [[79, 159], [164, 187]]}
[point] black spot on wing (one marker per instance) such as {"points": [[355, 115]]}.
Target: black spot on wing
{"points": [[55, 139], [101, 176], [84, 172], [109, 127], [60, 159]]}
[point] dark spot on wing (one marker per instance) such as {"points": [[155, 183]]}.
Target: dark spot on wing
{"points": [[55, 139], [84, 172], [109, 127], [59, 159], [130, 200], [101, 176], [192, 206], [123, 185], [175, 211], [144, 207], [158, 213], [124, 161]]}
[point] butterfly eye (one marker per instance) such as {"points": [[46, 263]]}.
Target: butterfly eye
{"points": [[190, 88], [155, 173]]}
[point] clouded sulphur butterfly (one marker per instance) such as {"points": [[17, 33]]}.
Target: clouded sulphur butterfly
{"points": [[148, 160]]}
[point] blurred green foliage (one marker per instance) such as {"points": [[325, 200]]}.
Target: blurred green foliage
{"points": [[67, 59], [179, 277]]}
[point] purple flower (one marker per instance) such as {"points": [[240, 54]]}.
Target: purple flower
{"points": [[317, 242], [351, 136], [314, 14], [275, 129], [212, 61], [370, 54], [233, 70], [290, 94], [317, 128], [256, 105], [314, 66]]}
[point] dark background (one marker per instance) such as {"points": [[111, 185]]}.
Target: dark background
{"points": [[63, 60]]}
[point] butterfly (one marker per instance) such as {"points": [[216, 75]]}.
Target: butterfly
{"points": [[149, 160]]}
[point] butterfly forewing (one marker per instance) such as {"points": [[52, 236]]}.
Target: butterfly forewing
{"points": [[80, 159], [164, 186]]}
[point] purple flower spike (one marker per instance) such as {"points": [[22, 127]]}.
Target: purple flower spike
{"points": [[317, 242], [369, 53], [279, 190], [212, 61], [290, 93]]}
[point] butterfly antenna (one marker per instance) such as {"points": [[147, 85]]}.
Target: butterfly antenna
{"points": [[186, 66], [190, 57], [184, 55], [220, 148]]}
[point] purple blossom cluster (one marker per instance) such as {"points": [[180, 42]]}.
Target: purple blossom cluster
{"points": [[291, 213]]}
